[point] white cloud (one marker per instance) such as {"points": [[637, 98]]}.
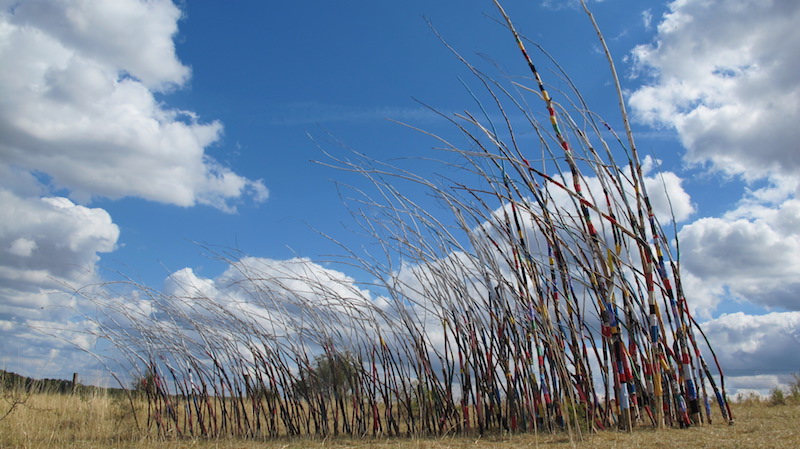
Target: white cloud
{"points": [[78, 112], [51, 349], [185, 282], [749, 345], [647, 18], [116, 32], [751, 253], [665, 190], [703, 296], [58, 253], [77, 104], [668, 198], [741, 387], [51, 247], [283, 297], [50, 240], [22, 247], [724, 75]]}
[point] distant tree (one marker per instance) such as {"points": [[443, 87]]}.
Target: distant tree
{"points": [[334, 372], [794, 389], [146, 383], [777, 396]]}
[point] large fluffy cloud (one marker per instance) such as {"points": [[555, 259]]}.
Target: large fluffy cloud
{"points": [[48, 248], [752, 253], [77, 104], [289, 297], [721, 77], [48, 241], [757, 345], [722, 74], [116, 32], [725, 77], [83, 113]]}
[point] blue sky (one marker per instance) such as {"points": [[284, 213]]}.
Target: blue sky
{"points": [[281, 73], [131, 130]]}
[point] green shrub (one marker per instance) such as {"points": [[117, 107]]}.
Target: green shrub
{"points": [[794, 390], [777, 396]]}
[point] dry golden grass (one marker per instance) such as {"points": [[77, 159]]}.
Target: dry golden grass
{"points": [[45, 421]]}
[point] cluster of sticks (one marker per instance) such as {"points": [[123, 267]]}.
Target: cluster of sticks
{"points": [[544, 299]]}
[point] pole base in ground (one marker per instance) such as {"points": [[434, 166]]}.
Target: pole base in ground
{"points": [[658, 412]]}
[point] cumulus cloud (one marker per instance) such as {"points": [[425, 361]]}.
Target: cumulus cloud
{"points": [[750, 345], [48, 247], [79, 115], [670, 201], [724, 76], [77, 104], [751, 253], [276, 295], [113, 31], [294, 301], [22, 247], [668, 197], [185, 282], [50, 240]]}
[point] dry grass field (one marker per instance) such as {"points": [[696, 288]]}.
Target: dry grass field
{"points": [[45, 421]]}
